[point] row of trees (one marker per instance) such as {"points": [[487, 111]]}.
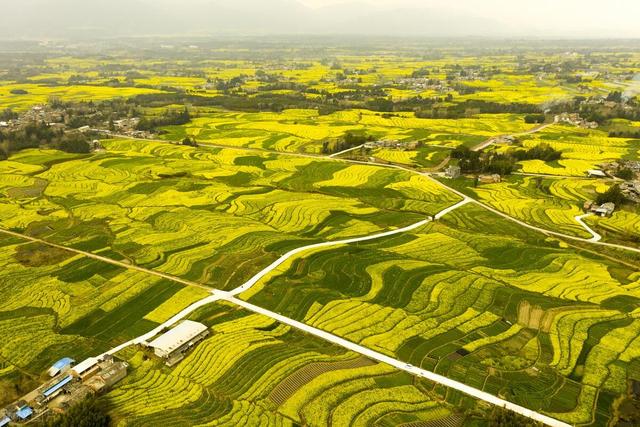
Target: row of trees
{"points": [[368, 98]]}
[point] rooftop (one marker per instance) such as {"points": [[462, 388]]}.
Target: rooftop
{"points": [[66, 380], [24, 413], [178, 336], [63, 362], [596, 172], [85, 365]]}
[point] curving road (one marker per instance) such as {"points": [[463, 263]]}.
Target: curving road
{"points": [[579, 219], [230, 296], [496, 211]]}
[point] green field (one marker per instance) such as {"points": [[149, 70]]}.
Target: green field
{"points": [[549, 323], [253, 371], [482, 301], [203, 215]]}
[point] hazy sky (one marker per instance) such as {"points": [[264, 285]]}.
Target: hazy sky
{"points": [[605, 18], [433, 18]]}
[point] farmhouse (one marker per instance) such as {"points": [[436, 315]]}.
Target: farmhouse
{"points": [[173, 345], [24, 412], [606, 209], [452, 172], [54, 389], [575, 120], [111, 372], [603, 210], [86, 368], [631, 190]]}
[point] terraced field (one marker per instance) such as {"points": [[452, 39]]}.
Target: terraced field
{"points": [[203, 214], [482, 301], [553, 204], [472, 296], [306, 130], [59, 304], [198, 214], [582, 149], [252, 371]]}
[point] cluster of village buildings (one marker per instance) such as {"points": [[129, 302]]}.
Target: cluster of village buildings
{"points": [[39, 114], [575, 120], [55, 118], [69, 385], [393, 144], [72, 383]]}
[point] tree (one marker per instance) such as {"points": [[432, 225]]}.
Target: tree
{"points": [[539, 152], [612, 195], [615, 96], [191, 142], [626, 174], [534, 118], [74, 143], [88, 413], [502, 417]]}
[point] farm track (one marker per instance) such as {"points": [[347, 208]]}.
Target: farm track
{"points": [[345, 151], [596, 237], [492, 140], [105, 259]]}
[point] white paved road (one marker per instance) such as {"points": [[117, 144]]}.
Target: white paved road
{"points": [[345, 151], [255, 279], [596, 237], [414, 370]]}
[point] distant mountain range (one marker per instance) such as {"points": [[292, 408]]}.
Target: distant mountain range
{"points": [[114, 18]]}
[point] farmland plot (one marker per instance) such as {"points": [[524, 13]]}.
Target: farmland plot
{"points": [[477, 299]]}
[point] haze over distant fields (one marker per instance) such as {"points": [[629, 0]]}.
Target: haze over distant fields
{"points": [[439, 18]]}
